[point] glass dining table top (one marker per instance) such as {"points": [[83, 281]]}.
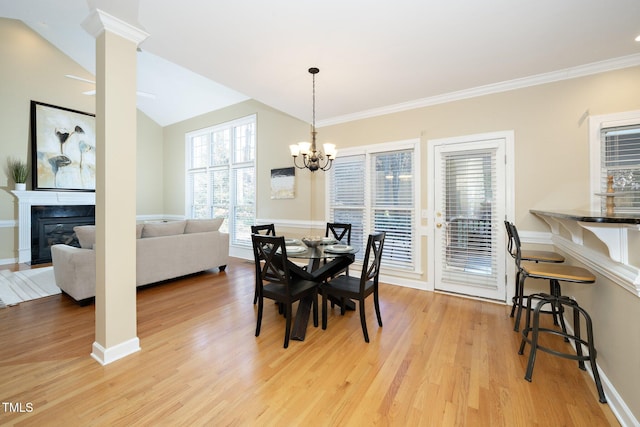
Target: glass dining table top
{"points": [[329, 248]]}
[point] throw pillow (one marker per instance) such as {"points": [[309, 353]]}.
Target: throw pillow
{"points": [[139, 228], [203, 225], [86, 235], [163, 229]]}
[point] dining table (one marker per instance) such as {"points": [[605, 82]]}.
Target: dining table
{"points": [[324, 258]]}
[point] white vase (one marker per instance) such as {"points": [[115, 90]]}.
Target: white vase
{"points": [[21, 186]]}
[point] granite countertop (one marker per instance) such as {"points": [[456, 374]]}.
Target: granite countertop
{"points": [[589, 216]]}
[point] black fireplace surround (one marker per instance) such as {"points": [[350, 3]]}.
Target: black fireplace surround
{"points": [[51, 225]]}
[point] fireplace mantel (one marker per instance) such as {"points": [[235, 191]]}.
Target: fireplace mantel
{"points": [[26, 199]]}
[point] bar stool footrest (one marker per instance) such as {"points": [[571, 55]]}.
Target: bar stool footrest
{"points": [[576, 340]]}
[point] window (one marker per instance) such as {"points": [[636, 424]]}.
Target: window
{"points": [[374, 189], [615, 145], [621, 160], [221, 176]]}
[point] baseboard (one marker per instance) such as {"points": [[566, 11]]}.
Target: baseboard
{"points": [[104, 356], [614, 400], [241, 252]]}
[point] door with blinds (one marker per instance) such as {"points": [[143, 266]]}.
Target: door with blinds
{"points": [[470, 196]]}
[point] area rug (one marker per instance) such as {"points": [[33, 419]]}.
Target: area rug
{"points": [[25, 285]]}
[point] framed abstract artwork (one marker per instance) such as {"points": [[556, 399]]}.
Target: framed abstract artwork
{"points": [[63, 148], [283, 183]]}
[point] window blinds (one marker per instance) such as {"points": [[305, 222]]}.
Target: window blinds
{"points": [[347, 196], [471, 226], [393, 204], [375, 192], [621, 159]]}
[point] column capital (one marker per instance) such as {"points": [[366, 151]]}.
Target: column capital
{"points": [[99, 21]]}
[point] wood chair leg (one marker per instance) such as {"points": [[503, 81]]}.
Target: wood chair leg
{"points": [[315, 309], [259, 321], [363, 321], [324, 310], [255, 294], [376, 304], [287, 330]]}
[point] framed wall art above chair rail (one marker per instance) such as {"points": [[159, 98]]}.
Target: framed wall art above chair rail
{"points": [[63, 148]]}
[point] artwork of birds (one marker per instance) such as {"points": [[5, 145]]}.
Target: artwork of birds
{"points": [[64, 134], [62, 160]]}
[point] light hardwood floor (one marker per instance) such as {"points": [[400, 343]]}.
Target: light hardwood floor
{"points": [[439, 360]]}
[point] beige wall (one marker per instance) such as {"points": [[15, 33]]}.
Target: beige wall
{"points": [[33, 69], [150, 167]]}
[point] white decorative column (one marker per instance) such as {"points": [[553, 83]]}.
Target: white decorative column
{"points": [[116, 117]]}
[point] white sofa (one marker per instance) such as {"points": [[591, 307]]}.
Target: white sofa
{"points": [[164, 250]]}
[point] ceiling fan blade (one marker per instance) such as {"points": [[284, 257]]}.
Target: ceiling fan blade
{"points": [[71, 76], [139, 93], [93, 92]]}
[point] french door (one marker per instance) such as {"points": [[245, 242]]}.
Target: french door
{"points": [[469, 207]]}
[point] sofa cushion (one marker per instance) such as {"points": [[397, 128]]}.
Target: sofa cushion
{"points": [[203, 225], [139, 228], [158, 229], [86, 235]]}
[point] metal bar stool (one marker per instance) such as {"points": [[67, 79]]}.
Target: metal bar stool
{"points": [[557, 273], [531, 256]]}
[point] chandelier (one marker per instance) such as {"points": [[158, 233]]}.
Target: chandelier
{"points": [[312, 158]]}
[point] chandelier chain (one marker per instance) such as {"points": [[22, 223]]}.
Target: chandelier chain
{"points": [[313, 118], [313, 158]]}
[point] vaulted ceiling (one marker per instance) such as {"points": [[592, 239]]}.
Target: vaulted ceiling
{"points": [[374, 56]]}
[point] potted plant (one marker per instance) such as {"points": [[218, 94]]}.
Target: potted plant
{"points": [[19, 173]]}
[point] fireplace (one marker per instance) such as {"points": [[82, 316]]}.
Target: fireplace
{"points": [[65, 199], [51, 225]]}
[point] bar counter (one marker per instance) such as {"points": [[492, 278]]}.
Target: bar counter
{"points": [[612, 230], [590, 216]]}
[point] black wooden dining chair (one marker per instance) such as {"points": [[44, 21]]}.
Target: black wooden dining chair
{"points": [[339, 231], [267, 230], [277, 283], [358, 288], [342, 233]]}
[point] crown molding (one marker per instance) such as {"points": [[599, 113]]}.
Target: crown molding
{"points": [[539, 79], [99, 21]]}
